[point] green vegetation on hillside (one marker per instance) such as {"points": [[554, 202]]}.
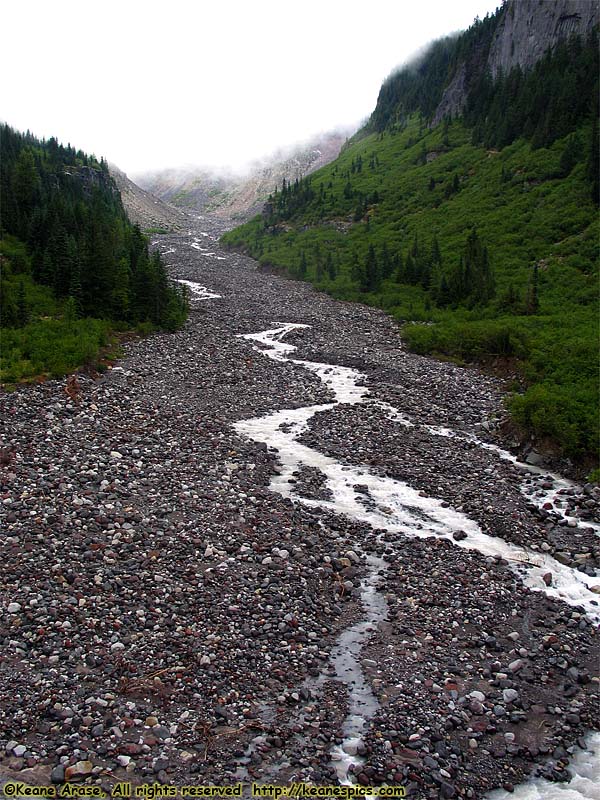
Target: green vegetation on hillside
{"points": [[72, 263], [495, 248]]}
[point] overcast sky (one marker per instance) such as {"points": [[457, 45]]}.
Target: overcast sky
{"points": [[150, 84]]}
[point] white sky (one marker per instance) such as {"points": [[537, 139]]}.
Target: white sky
{"points": [[150, 84]]}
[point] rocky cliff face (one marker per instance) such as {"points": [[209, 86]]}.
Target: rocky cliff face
{"points": [[529, 27], [526, 30], [454, 97]]}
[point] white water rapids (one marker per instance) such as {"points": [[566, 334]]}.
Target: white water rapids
{"points": [[543, 488], [393, 506], [198, 291], [585, 784], [397, 506]]}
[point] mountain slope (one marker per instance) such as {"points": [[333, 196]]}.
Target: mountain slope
{"points": [[143, 208], [240, 197], [186, 189], [518, 35], [456, 71], [249, 195], [486, 226]]}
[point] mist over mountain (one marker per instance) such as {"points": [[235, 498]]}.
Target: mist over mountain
{"points": [[439, 80], [143, 208], [240, 196]]}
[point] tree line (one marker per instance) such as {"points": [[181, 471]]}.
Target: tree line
{"points": [[65, 208], [542, 104]]}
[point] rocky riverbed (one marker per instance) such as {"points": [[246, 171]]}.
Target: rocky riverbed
{"points": [[178, 593]]}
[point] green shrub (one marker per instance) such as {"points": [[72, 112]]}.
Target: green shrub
{"points": [[468, 341], [562, 413], [145, 328], [49, 347]]}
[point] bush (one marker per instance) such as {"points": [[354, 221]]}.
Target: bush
{"points": [[557, 356], [468, 341], [49, 347], [562, 413], [145, 328]]}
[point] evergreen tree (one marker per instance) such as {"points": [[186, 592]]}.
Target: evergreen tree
{"points": [[399, 268], [318, 261], [61, 258], [75, 290], [47, 269], [121, 291], [25, 187], [533, 302], [386, 262], [570, 155], [436, 255], [303, 267], [443, 295], [22, 308], [478, 280], [79, 239], [410, 271], [70, 312], [330, 267], [357, 273], [372, 277], [510, 300], [593, 163], [470, 280]]}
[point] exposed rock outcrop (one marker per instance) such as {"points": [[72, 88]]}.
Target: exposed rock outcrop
{"points": [[529, 27], [526, 29], [90, 178], [94, 178], [454, 97]]}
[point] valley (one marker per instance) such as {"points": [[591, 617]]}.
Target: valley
{"points": [[309, 506], [277, 546]]}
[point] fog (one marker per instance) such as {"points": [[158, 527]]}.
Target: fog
{"points": [[150, 85]]}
